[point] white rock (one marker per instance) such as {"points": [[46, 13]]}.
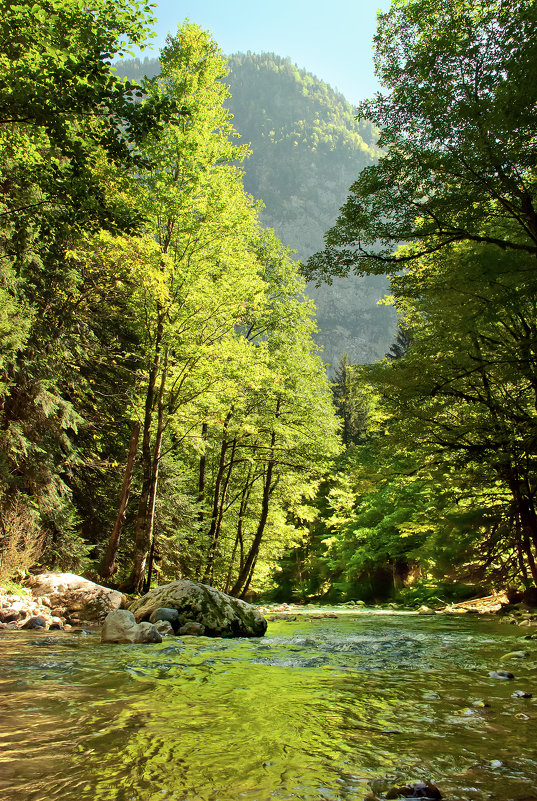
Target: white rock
{"points": [[68, 593], [119, 626]]}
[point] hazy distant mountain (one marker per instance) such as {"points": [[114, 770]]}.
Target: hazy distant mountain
{"points": [[307, 149]]}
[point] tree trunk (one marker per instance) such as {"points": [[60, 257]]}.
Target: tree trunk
{"points": [[108, 565], [142, 543], [202, 475], [213, 529], [239, 538], [154, 478], [528, 524], [245, 574]]}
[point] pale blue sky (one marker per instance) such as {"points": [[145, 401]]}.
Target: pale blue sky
{"points": [[332, 38]]}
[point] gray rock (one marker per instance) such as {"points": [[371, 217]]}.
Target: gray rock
{"points": [[195, 629], [119, 626], [220, 614], [164, 628], [76, 596], [147, 632], [521, 694], [163, 613]]}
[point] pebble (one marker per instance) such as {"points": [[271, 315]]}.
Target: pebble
{"points": [[500, 674], [521, 694]]}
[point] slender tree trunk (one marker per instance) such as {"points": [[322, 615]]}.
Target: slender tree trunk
{"points": [[142, 543], [213, 529], [528, 524], [268, 488], [155, 476], [238, 537], [108, 565], [248, 580], [202, 472]]}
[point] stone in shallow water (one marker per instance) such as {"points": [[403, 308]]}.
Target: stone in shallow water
{"points": [[147, 632], [220, 614], [500, 674], [120, 627], [163, 613], [424, 790], [164, 628], [75, 596], [36, 622]]}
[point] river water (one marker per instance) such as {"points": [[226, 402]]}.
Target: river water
{"points": [[317, 710]]}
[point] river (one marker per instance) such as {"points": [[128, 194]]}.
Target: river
{"points": [[317, 710]]}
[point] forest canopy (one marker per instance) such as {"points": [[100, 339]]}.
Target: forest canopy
{"points": [[450, 210]]}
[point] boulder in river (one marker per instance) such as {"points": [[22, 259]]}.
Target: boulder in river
{"points": [[169, 615], [220, 614], [147, 632], [75, 597], [120, 626]]}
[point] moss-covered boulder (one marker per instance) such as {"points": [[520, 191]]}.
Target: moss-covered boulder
{"points": [[220, 614]]}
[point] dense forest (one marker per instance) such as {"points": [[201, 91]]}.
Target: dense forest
{"points": [[306, 148], [164, 408], [156, 340]]}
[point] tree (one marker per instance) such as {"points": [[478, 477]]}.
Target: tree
{"points": [[458, 131], [349, 404], [464, 395], [68, 132], [205, 226]]}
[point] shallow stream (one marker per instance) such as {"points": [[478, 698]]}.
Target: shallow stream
{"points": [[321, 709]]}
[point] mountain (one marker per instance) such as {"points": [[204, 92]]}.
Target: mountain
{"points": [[307, 149]]}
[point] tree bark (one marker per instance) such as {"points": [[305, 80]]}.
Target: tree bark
{"points": [[108, 565], [155, 475], [142, 543], [213, 529], [245, 574]]}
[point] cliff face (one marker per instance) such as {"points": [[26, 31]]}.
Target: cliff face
{"points": [[307, 149]]}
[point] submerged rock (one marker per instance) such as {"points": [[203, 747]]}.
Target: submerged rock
{"points": [[500, 674], [423, 790], [220, 614]]}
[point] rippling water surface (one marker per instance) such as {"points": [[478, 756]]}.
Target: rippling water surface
{"points": [[317, 709]]}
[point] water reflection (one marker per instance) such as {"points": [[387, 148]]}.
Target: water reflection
{"points": [[316, 710]]}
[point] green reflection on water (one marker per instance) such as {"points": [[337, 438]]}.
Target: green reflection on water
{"points": [[315, 710]]}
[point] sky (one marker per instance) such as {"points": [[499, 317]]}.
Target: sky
{"points": [[330, 38]]}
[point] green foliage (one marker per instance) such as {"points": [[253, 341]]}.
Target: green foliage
{"points": [[457, 128], [306, 147]]}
